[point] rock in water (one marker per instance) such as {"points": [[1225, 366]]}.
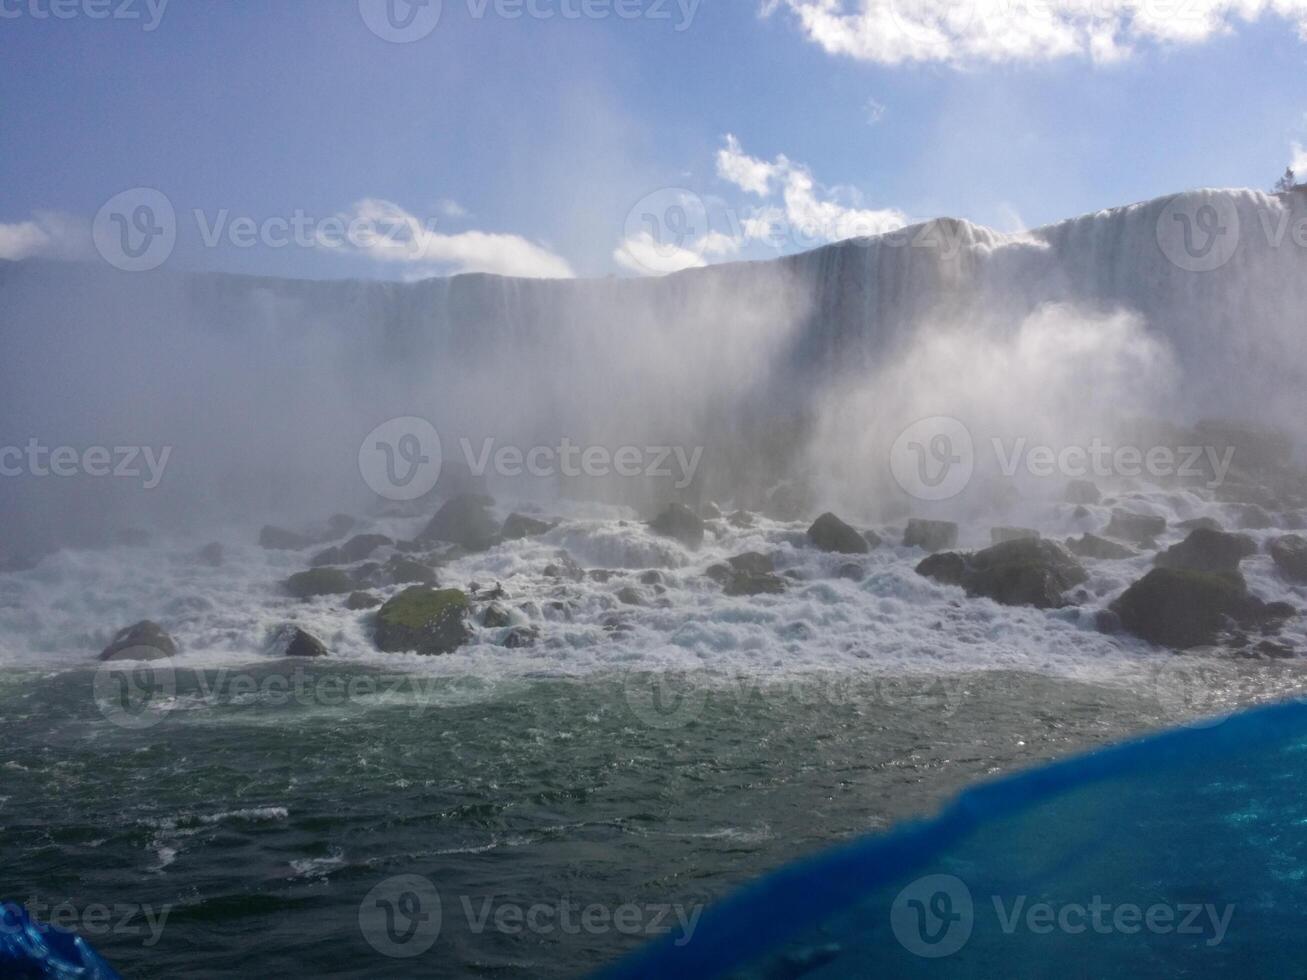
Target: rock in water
{"points": [[362, 546], [931, 536], [1194, 523], [1176, 608], [1254, 518], [146, 640], [681, 523], [998, 535], [466, 521], [425, 621], [1290, 555], [358, 601], [752, 563], [564, 567], [1082, 492], [211, 554], [279, 539], [406, 571], [1025, 572], [1092, 546], [1216, 552], [829, 533], [521, 637], [1138, 528], [291, 641], [318, 582], [754, 583], [518, 527], [496, 617]]}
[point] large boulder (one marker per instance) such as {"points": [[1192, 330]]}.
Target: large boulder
{"points": [[1290, 555], [1178, 608], [291, 641], [829, 533], [748, 574], [279, 539], [1216, 552], [998, 535], [361, 546], [1137, 528], [1024, 572], [318, 582], [681, 523], [1082, 492], [146, 640], [931, 536], [1092, 546], [405, 571], [426, 621], [518, 526], [465, 520]]}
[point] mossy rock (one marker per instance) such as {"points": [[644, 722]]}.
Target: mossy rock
{"points": [[1022, 572], [426, 621], [1215, 552], [829, 533], [319, 581], [466, 521], [1180, 608], [145, 640]]}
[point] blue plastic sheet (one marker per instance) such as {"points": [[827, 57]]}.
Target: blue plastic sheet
{"points": [[1181, 855], [32, 951]]}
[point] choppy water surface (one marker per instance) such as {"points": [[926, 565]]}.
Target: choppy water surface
{"points": [[261, 820]]}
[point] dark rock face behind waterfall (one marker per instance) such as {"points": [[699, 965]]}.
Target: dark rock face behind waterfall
{"points": [[734, 359]]}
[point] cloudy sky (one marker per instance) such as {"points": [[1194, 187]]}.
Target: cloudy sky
{"points": [[389, 139]]}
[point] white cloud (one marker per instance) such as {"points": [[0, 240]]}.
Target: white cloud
{"points": [[893, 32], [875, 111], [810, 215], [451, 209], [746, 172], [384, 231], [48, 234], [641, 254], [1299, 164]]}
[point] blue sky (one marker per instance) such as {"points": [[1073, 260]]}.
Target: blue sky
{"points": [[538, 146]]}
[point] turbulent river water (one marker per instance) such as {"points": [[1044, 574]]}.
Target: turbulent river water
{"points": [[247, 813]]}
